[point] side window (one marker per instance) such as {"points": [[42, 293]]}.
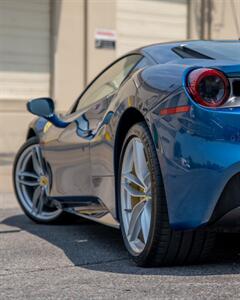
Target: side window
{"points": [[109, 81], [144, 62]]}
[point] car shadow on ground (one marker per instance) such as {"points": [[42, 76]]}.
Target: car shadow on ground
{"points": [[100, 248]]}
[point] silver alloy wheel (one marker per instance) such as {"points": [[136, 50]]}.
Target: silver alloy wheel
{"points": [[136, 195], [32, 184]]}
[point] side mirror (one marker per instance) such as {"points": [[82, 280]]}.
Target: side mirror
{"points": [[44, 107]]}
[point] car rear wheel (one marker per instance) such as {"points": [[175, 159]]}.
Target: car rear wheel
{"points": [[31, 179], [143, 213]]}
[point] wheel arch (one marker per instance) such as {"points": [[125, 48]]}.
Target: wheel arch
{"points": [[31, 133], [130, 117]]}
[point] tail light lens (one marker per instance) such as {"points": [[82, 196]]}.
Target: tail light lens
{"points": [[208, 87]]}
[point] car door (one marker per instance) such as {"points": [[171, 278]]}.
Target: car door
{"points": [[67, 150], [100, 109], [68, 157], [99, 97]]}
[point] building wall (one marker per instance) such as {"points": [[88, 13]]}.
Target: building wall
{"points": [[76, 61], [143, 22], [47, 47], [100, 15], [24, 49], [67, 48], [24, 65], [218, 19], [225, 19]]}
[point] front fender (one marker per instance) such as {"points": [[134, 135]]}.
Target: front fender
{"points": [[37, 127]]}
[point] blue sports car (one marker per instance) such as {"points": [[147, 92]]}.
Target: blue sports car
{"points": [[151, 146]]}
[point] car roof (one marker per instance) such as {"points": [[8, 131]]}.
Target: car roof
{"points": [[165, 52]]}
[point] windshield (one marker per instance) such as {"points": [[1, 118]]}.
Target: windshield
{"points": [[217, 50]]}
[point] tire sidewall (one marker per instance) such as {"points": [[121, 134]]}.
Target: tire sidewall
{"points": [[141, 131]]}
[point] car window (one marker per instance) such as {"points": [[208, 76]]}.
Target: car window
{"points": [[144, 62], [109, 81]]}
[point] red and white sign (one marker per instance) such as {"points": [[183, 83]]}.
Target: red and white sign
{"points": [[105, 38]]}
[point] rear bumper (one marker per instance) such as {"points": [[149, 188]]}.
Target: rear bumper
{"points": [[199, 154]]}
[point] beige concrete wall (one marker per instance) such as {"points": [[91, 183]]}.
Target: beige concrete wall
{"points": [[24, 66], [102, 15], [195, 19], [67, 42], [24, 49], [226, 19], [143, 22], [67, 51], [225, 16], [13, 130]]}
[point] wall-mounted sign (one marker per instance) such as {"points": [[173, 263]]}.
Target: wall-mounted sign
{"points": [[105, 39]]}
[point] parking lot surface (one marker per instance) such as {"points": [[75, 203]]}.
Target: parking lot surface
{"points": [[85, 260]]}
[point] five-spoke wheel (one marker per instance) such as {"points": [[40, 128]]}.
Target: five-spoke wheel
{"points": [[31, 182], [136, 195], [143, 212]]}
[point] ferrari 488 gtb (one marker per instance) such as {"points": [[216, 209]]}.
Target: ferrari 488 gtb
{"points": [[151, 146]]}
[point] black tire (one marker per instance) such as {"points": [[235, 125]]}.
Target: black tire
{"points": [[164, 246], [62, 217]]}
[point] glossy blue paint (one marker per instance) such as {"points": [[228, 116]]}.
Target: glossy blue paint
{"points": [[198, 151], [54, 119], [45, 108]]}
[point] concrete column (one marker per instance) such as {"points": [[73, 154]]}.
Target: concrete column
{"points": [[67, 51], [214, 19], [100, 15]]}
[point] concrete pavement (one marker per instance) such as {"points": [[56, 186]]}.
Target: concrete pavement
{"points": [[6, 162], [84, 260]]}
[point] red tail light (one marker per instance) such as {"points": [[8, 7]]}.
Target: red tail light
{"points": [[208, 87]]}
